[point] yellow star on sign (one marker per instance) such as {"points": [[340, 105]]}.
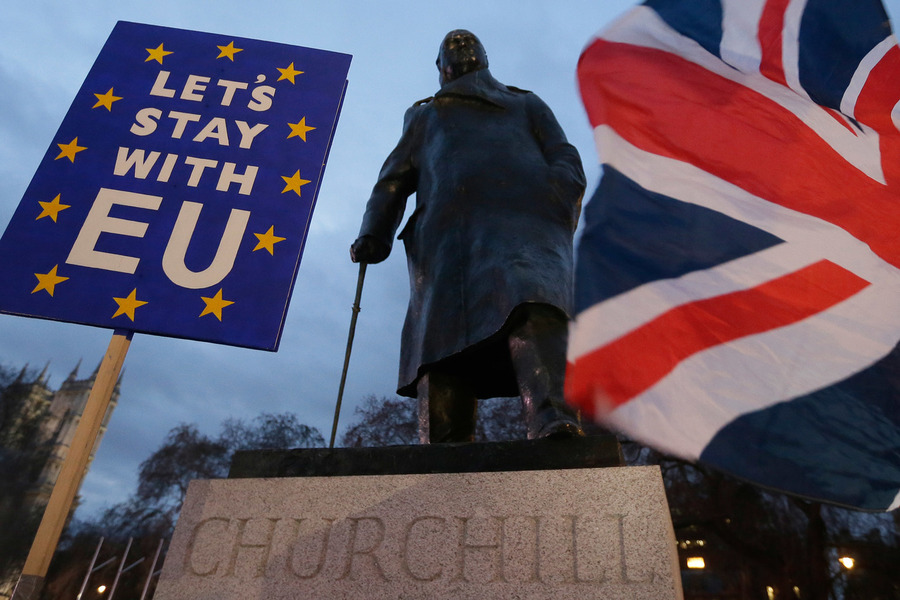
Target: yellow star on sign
{"points": [[128, 304], [70, 150], [156, 54], [228, 51], [289, 73], [48, 281], [268, 240], [51, 209], [106, 100], [300, 129], [215, 305], [293, 183]]}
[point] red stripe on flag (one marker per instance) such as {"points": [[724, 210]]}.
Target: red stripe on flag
{"points": [[631, 364], [880, 93], [666, 105], [771, 26]]}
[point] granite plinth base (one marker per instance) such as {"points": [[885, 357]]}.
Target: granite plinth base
{"points": [[519, 534]]}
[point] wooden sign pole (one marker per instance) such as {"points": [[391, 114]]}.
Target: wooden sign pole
{"points": [[73, 468]]}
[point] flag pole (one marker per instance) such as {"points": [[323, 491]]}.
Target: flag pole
{"points": [[337, 407], [72, 471]]}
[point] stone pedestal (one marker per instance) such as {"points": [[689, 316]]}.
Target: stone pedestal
{"points": [[562, 533]]}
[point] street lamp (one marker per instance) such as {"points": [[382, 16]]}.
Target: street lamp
{"points": [[847, 561], [101, 589], [696, 562]]}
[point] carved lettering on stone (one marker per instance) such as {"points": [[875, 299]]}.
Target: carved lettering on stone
{"points": [[587, 549], [311, 551]]}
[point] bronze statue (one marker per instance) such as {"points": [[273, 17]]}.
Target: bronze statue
{"points": [[489, 248]]}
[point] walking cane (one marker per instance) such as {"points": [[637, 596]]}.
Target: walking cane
{"points": [[337, 408]]}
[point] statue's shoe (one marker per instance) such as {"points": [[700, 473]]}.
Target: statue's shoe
{"points": [[560, 429]]}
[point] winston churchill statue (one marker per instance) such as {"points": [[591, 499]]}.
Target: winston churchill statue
{"points": [[489, 248]]}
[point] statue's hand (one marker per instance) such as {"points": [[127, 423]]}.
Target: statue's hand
{"points": [[367, 249]]}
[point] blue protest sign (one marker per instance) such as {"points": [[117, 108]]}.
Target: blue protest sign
{"points": [[176, 197]]}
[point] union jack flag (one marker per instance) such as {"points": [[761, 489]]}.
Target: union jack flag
{"points": [[738, 278]]}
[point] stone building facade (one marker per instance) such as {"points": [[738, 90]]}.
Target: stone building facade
{"points": [[40, 422]]}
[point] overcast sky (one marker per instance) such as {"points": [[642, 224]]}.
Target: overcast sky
{"points": [[46, 50]]}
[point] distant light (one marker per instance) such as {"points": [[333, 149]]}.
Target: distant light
{"points": [[770, 592], [847, 561], [101, 589], [696, 562], [796, 591]]}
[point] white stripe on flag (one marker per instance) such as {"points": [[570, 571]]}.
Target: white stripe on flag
{"points": [[740, 34], [858, 81], [790, 47]]}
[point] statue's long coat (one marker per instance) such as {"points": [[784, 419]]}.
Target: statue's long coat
{"points": [[498, 195]]}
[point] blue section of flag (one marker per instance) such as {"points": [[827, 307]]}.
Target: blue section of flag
{"points": [[633, 236], [700, 20], [827, 62], [821, 442], [168, 123]]}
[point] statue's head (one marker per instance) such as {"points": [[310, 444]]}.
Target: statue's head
{"points": [[461, 52]]}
